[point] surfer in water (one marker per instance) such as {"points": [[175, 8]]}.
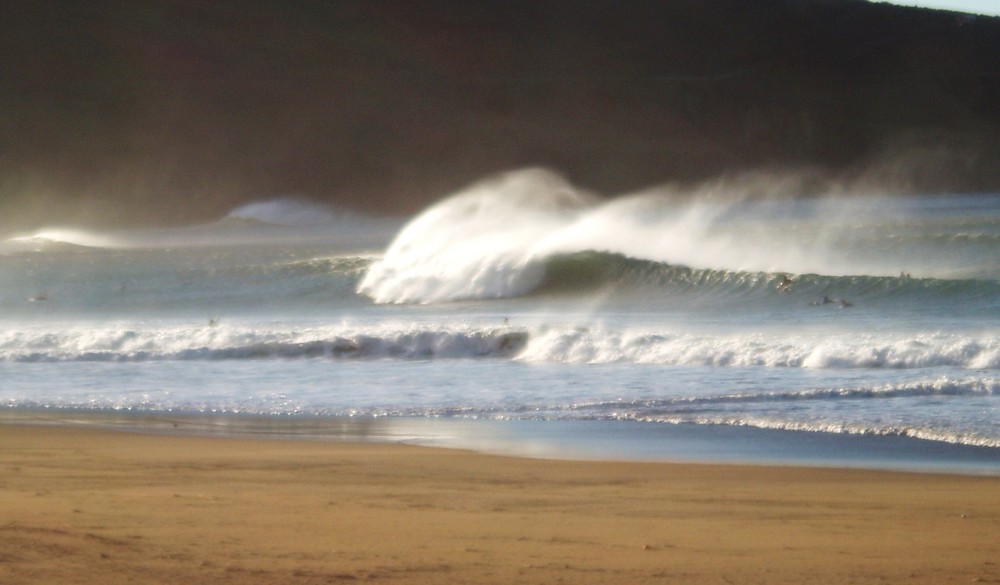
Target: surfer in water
{"points": [[844, 303], [785, 284]]}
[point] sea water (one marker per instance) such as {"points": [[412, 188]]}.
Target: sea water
{"points": [[523, 315]]}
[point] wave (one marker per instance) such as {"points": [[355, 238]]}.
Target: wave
{"points": [[846, 410], [767, 410], [290, 211], [216, 341], [198, 281], [643, 282], [542, 344], [234, 278], [690, 404], [59, 239], [506, 236], [938, 435], [277, 221], [476, 244], [587, 345]]}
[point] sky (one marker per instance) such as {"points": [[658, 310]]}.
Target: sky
{"points": [[989, 7]]}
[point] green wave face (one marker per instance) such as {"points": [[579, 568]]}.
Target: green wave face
{"points": [[637, 280]]}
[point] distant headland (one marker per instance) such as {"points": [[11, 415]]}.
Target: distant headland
{"points": [[171, 111]]}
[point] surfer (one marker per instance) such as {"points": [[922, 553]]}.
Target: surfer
{"points": [[844, 303], [784, 284]]}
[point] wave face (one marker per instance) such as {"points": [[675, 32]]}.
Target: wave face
{"points": [[500, 238], [637, 281]]}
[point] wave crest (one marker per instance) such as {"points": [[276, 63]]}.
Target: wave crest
{"points": [[477, 244], [224, 342], [61, 237], [288, 211], [498, 238], [534, 344]]}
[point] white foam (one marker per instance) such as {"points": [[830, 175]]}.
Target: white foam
{"points": [[208, 342], [544, 344], [478, 244], [838, 428], [598, 345], [944, 386]]}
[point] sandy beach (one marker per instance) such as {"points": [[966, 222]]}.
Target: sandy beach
{"points": [[85, 506]]}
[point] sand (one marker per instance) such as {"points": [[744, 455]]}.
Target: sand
{"points": [[90, 506]]}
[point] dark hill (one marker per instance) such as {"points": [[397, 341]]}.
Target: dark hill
{"points": [[177, 110]]}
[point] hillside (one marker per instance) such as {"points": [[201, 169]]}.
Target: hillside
{"points": [[166, 111]]}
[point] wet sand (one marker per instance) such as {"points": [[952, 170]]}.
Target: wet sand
{"points": [[92, 506]]}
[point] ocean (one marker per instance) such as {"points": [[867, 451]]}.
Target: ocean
{"points": [[523, 315]]}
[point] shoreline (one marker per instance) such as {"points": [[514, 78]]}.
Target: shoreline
{"points": [[91, 505], [582, 440]]}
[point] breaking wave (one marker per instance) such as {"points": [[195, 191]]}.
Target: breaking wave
{"points": [[226, 342], [586, 345], [58, 238], [288, 211], [591, 270], [568, 345], [510, 235]]}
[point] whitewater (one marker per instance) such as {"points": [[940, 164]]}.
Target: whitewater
{"points": [[734, 321]]}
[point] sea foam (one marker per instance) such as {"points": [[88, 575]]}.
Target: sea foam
{"points": [[596, 345], [478, 244]]}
